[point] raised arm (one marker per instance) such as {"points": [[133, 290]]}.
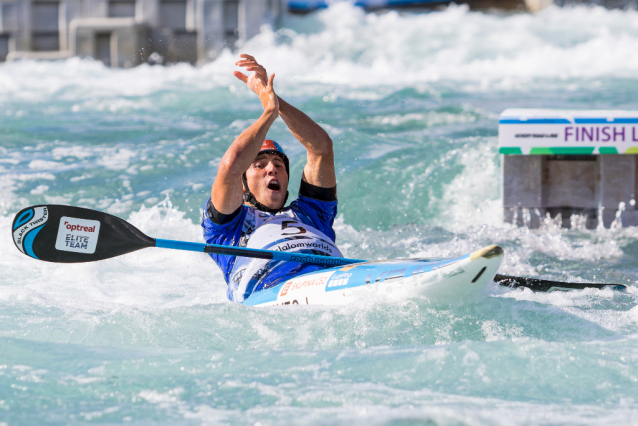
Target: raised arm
{"points": [[320, 166], [319, 169], [227, 191]]}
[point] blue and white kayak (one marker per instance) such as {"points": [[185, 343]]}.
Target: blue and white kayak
{"points": [[440, 280]]}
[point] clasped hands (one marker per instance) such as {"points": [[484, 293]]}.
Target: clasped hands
{"points": [[258, 82]]}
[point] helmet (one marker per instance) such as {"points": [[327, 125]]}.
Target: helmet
{"points": [[268, 147], [271, 147]]}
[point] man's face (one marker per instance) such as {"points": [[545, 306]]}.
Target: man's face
{"points": [[267, 180]]}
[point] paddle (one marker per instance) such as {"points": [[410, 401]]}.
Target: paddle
{"points": [[536, 284], [67, 234]]}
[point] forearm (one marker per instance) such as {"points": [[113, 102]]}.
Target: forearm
{"points": [[319, 169], [246, 146], [313, 137], [227, 190]]}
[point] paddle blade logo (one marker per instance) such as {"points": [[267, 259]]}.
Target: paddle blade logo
{"points": [[77, 235], [26, 226]]}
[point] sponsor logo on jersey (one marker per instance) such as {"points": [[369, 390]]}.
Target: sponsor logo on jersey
{"points": [[329, 261], [339, 280], [304, 245], [77, 235]]}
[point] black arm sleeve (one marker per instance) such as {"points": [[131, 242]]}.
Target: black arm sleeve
{"points": [[318, 193], [217, 217]]}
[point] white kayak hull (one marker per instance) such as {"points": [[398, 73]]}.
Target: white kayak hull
{"points": [[441, 281]]}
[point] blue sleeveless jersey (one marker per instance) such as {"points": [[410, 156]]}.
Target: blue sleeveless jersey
{"points": [[303, 227]]}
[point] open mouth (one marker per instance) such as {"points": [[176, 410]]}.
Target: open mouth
{"points": [[273, 185]]}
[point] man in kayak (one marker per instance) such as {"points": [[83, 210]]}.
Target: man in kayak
{"points": [[246, 207]]}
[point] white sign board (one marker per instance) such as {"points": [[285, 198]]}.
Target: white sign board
{"points": [[562, 132], [77, 235]]}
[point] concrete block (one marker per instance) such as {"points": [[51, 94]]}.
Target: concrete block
{"points": [[4, 46], [9, 13], [197, 30], [172, 15], [182, 48], [132, 46], [147, 12], [591, 186], [123, 40], [45, 31], [234, 27], [608, 216], [618, 180], [121, 8], [22, 35], [174, 46], [210, 30], [254, 19], [570, 183], [629, 217], [95, 9], [522, 181]]}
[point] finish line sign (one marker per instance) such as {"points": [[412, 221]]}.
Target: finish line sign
{"points": [[564, 132]]}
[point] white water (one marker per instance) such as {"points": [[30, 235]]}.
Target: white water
{"points": [[412, 102]]}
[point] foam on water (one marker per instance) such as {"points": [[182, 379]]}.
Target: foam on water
{"points": [[345, 46], [411, 102]]}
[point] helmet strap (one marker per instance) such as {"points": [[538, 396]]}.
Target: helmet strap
{"points": [[250, 198]]}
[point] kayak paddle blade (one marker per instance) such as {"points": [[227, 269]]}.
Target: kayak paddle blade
{"points": [[536, 284], [67, 234]]}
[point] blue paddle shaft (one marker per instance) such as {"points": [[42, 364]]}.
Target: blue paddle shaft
{"points": [[259, 254]]}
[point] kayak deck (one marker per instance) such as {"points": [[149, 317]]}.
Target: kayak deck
{"points": [[441, 280]]}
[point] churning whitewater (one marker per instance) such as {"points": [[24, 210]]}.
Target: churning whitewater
{"points": [[411, 102]]}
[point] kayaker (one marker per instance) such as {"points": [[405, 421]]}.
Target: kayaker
{"points": [[246, 207]]}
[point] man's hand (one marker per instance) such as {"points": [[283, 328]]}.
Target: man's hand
{"points": [[258, 82], [319, 169]]}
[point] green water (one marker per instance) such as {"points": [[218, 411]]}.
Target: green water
{"points": [[411, 102]]}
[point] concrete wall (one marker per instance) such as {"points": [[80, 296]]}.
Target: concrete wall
{"points": [[592, 186], [118, 42], [194, 31]]}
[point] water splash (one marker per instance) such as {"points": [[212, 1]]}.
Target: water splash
{"points": [[412, 103]]}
